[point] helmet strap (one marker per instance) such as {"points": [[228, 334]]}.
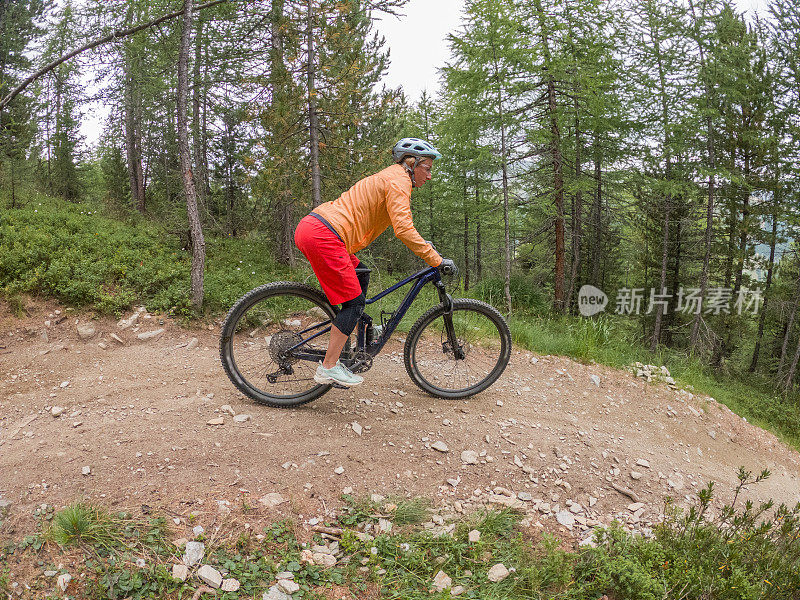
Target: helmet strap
{"points": [[411, 170]]}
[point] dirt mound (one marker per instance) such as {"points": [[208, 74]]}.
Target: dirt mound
{"points": [[136, 413]]}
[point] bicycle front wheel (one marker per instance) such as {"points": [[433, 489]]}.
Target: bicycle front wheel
{"points": [[258, 335], [483, 349]]}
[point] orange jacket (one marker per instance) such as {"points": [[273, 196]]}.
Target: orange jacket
{"points": [[364, 212]]}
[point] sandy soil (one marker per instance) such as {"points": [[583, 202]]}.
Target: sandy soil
{"points": [[136, 414]]}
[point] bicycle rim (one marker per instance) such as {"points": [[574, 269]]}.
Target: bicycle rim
{"points": [[258, 334], [483, 337]]}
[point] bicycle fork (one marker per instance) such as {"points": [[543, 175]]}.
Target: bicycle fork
{"points": [[452, 341]]}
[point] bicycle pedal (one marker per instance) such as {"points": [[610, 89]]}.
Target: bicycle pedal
{"points": [[339, 386]]}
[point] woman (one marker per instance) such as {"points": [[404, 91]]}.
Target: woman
{"points": [[330, 236]]}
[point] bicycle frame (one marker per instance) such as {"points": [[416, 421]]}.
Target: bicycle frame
{"points": [[422, 278]]}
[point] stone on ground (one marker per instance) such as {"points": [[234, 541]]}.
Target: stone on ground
{"points": [[474, 536], [440, 446], [271, 500], [497, 573], [193, 553], [230, 585], [210, 576], [442, 581], [288, 586], [180, 572], [469, 457], [86, 330]]}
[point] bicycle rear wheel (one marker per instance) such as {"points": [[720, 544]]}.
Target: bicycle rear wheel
{"points": [[256, 337], [482, 353]]}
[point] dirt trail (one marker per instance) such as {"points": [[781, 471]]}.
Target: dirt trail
{"points": [[136, 413]]}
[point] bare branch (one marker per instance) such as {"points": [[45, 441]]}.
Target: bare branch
{"points": [[119, 33]]}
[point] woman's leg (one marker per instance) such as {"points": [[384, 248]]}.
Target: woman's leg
{"points": [[335, 346]]}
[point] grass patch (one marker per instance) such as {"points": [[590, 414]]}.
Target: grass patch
{"points": [[743, 552]]}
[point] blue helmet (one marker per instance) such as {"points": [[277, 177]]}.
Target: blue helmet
{"points": [[414, 147]]}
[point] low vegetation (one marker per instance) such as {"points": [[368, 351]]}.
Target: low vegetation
{"points": [[738, 552]]}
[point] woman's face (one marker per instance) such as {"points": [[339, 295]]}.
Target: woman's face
{"points": [[422, 174]]}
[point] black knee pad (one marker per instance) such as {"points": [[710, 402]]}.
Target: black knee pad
{"points": [[347, 318]]}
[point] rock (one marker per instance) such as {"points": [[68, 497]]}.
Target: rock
{"points": [[44, 336], [497, 573], [86, 331], [357, 427], [592, 501], [635, 506], [306, 556], [565, 518], [474, 536], [285, 575], [457, 590], [210, 576], [198, 530], [102, 346], [64, 385], [150, 335], [288, 586], [636, 475], [180, 572], [347, 491], [275, 593], [643, 463], [712, 434], [469, 457], [117, 339], [525, 496], [216, 421], [63, 581], [57, 411], [271, 500], [227, 408], [675, 482], [230, 585], [384, 525], [193, 553], [324, 560], [50, 573], [194, 343], [241, 418], [575, 508], [595, 380], [87, 470], [125, 323], [339, 470], [440, 446], [454, 481], [442, 581]]}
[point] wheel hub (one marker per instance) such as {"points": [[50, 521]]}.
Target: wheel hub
{"points": [[279, 347]]}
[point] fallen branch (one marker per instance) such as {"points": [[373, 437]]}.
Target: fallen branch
{"points": [[329, 530], [625, 492], [119, 33], [203, 589]]}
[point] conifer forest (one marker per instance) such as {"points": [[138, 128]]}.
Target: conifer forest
{"points": [[631, 162]]}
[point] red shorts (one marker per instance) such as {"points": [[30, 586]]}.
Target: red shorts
{"points": [[333, 266]]}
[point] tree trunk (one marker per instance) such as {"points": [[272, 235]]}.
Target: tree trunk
{"points": [[198, 132], [787, 334], [667, 177], [597, 217], [478, 247], [466, 235], [768, 283], [558, 184], [195, 227], [789, 384], [577, 214], [313, 119], [712, 164]]}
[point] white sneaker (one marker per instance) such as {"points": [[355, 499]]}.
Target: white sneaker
{"points": [[338, 374]]}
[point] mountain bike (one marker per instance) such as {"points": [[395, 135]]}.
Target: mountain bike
{"points": [[275, 335]]}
